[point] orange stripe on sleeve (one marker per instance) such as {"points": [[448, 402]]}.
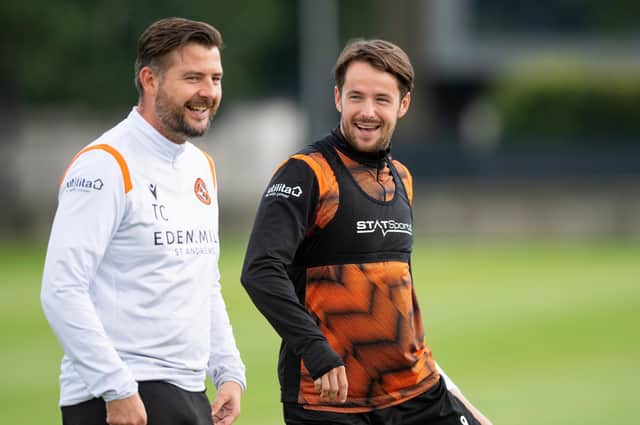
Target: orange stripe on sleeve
{"points": [[124, 168], [213, 168]]}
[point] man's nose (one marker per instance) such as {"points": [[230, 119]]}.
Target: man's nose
{"points": [[368, 109], [208, 89]]}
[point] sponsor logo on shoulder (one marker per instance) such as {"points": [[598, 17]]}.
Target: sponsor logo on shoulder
{"points": [[81, 184], [281, 189], [384, 226]]}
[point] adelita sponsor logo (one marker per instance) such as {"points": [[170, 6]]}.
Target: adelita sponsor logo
{"points": [[281, 189], [82, 184]]}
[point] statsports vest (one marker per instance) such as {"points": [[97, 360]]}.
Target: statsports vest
{"points": [[355, 261]]}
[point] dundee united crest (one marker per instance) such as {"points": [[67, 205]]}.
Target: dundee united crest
{"points": [[200, 188]]}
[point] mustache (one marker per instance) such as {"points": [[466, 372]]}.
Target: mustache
{"points": [[200, 101], [367, 121]]}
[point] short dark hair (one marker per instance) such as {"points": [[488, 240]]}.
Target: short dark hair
{"points": [[166, 35], [380, 54]]}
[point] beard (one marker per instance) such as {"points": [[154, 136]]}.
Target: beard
{"points": [[379, 144], [172, 115]]}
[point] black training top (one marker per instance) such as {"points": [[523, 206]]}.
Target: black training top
{"points": [[328, 264]]}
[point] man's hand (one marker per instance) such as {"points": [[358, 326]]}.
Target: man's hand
{"points": [[126, 411], [226, 406], [333, 385]]}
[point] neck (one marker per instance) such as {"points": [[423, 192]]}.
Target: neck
{"points": [[374, 159], [147, 112]]}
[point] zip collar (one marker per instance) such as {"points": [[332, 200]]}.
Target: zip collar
{"points": [[154, 141]]}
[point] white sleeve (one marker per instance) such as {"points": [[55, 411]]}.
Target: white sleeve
{"points": [[91, 205], [450, 384], [225, 363]]}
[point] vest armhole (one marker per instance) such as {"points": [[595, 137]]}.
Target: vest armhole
{"points": [[407, 179], [124, 168], [328, 190], [317, 170]]}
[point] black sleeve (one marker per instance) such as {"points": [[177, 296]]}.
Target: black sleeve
{"points": [[285, 212]]}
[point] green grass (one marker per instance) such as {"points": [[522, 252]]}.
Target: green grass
{"points": [[533, 333]]}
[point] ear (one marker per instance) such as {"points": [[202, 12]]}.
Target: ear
{"points": [[149, 80], [337, 98], [404, 105]]}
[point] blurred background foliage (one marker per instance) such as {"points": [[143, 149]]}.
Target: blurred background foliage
{"points": [[619, 18], [81, 52], [562, 100]]}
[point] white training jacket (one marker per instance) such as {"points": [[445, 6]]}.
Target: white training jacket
{"points": [[131, 281]]}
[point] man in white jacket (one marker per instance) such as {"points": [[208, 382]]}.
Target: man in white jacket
{"points": [[131, 281]]}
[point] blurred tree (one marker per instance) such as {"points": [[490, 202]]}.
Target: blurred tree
{"points": [[261, 39], [567, 17], [82, 51], [560, 100]]}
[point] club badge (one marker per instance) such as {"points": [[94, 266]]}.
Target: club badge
{"points": [[200, 188]]}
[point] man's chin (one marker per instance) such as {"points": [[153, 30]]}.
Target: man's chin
{"points": [[195, 131], [367, 145], [198, 128]]}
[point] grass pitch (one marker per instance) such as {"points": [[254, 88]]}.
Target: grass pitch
{"points": [[533, 333]]}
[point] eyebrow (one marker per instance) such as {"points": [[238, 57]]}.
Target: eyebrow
{"points": [[360, 92], [200, 74]]}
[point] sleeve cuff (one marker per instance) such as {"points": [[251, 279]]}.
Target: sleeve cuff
{"points": [[319, 358], [128, 391], [243, 384]]}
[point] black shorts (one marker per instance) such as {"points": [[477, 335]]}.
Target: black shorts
{"points": [[165, 404], [437, 406]]}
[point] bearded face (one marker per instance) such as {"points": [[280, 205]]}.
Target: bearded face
{"points": [[370, 105], [187, 92]]}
